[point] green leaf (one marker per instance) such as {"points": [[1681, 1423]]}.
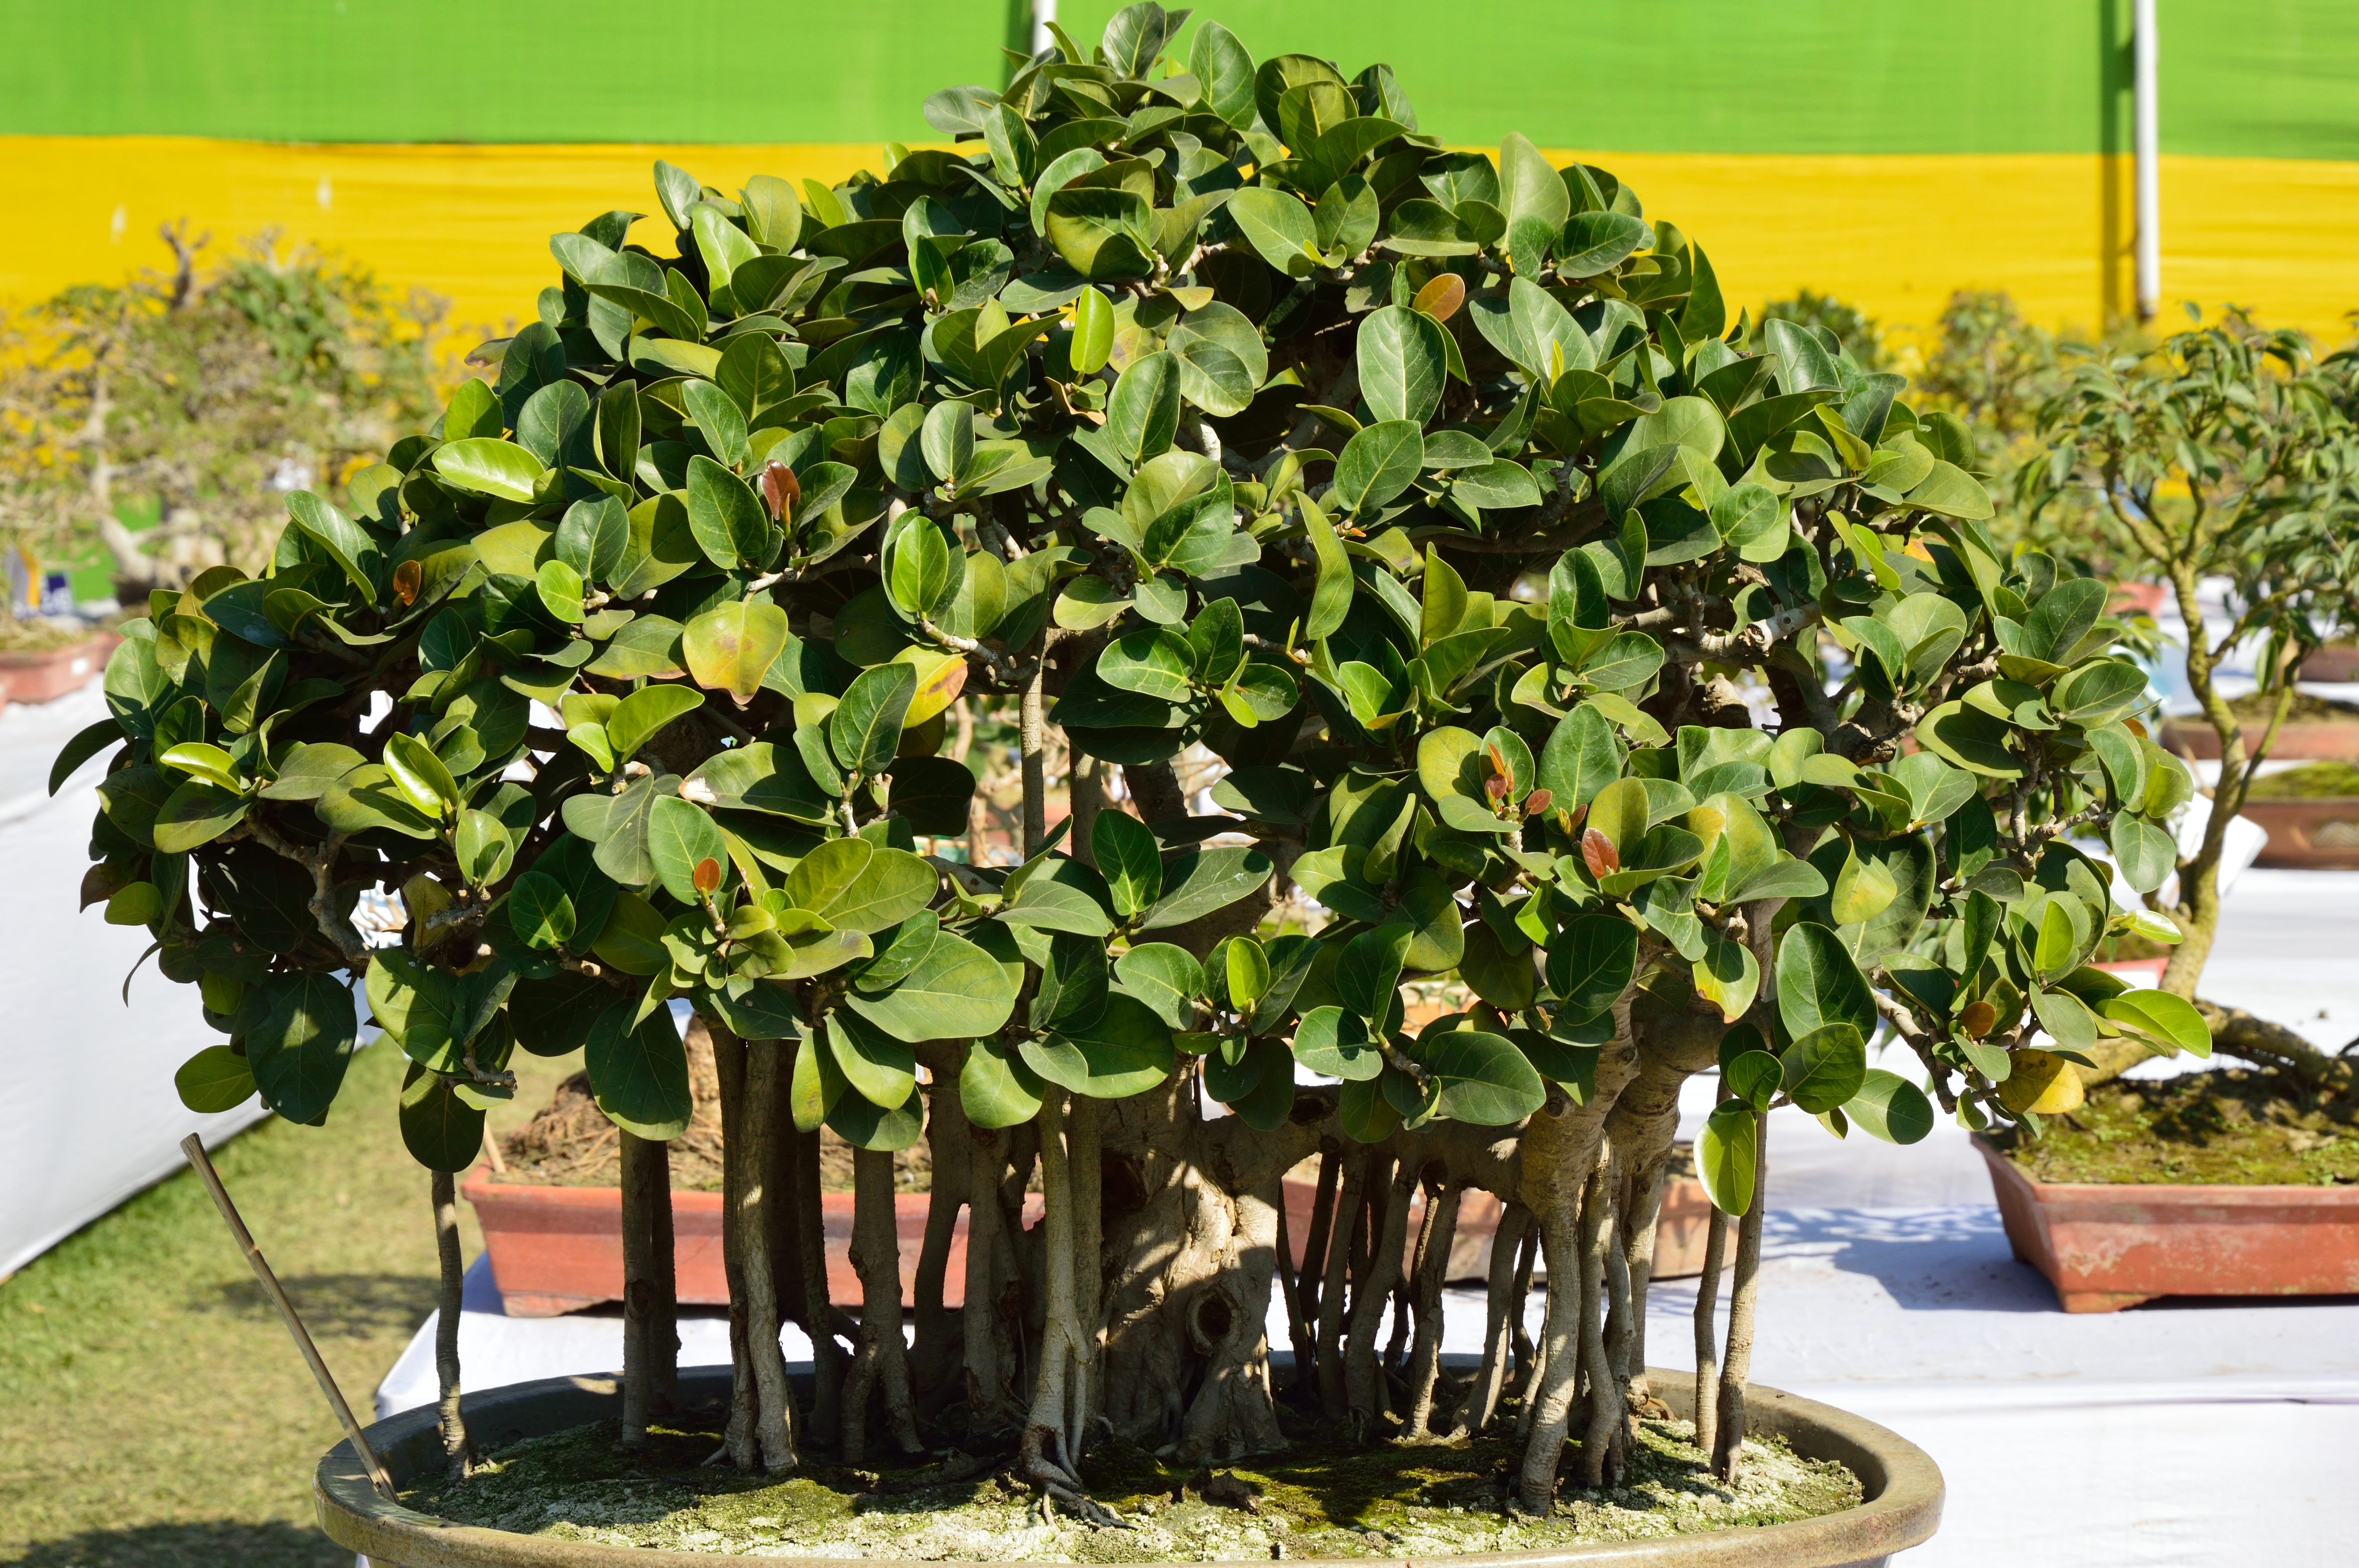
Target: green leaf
{"points": [[1367, 975], [638, 1071], [864, 731], [680, 837], [1127, 1050], [1819, 984], [2160, 1018], [439, 1129], [1092, 340], [1222, 360], [1825, 1066], [1072, 989], [1485, 1080], [1950, 490], [1534, 198], [854, 885], [933, 794], [1197, 882], [881, 1069], [1404, 357], [1728, 1152], [1337, 1044], [995, 1088], [346, 542], [1143, 413], [1728, 975], [197, 813], [215, 1079], [1754, 1076], [1166, 978], [2145, 854], [637, 718], [1377, 465], [1592, 963], [299, 1031], [724, 517], [540, 913], [422, 775], [1863, 890], [483, 465], [1330, 599], [1891, 1108], [1128, 858], [1154, 661], [958, 992], [1278, 226], [730, 648]]}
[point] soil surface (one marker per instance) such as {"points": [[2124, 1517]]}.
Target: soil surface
{"points": [[1318, 1499], [571, 1145], [2238, 1126], [2256, 709], [2311, 780]]}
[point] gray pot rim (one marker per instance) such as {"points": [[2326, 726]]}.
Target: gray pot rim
{"points": [[1902, 1508]]}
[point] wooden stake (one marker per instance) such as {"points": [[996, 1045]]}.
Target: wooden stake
{"points": [[193, 1146]]}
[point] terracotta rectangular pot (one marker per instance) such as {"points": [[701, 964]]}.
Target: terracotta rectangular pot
{"points": [[2319, 834], [53, 672], [2107, 1246], [558, 1249], [2295, 743]]}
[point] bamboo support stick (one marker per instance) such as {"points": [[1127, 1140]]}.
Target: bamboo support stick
{"points": [[195, 1149]]}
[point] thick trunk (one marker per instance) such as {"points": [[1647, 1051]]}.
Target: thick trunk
{"points": [[761, 1411], [1349, 1211], [1604, 1388], [1559, 1152], [824, 1323], [1736, 1365], [458, 1451], [993, 1348], [1433, 1243], [882, 1362], [1707, 1341], [1501, 1302], [1362, 1380], [935, 1360], [650, 1292]]}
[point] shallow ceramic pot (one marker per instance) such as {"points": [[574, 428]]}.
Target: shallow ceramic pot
{"points": [[2109, 1245], [2295, 743], [2338, 662], [2319, 835], [1903, 1490], [53, 672]]}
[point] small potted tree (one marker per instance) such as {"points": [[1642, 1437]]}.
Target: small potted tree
{"points": [[2226, 458], [1653, 678]]}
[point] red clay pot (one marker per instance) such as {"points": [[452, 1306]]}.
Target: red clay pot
{"points": [[52, 673], [557, 1249], [2107, 1246], [2295, 743], [2319, 834], [2340, 663]]}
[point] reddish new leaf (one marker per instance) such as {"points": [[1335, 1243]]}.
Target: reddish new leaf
{"points": [[1597, 852], [781, 491]]}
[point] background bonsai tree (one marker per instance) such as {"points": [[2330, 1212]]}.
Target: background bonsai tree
{"points": [[1656, 682], [2224, 462]]}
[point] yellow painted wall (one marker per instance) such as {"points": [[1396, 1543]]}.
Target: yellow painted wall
{"points": [[1892, 233]]}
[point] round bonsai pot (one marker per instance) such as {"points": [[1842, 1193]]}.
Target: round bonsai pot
{"points": [[2295, 743], [2316, 834], [2109, 1245], [1902, 1508]]}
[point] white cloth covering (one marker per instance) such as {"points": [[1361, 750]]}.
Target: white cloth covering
{"points": [[86, 1083]]}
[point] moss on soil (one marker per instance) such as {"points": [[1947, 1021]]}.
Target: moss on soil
{"points": [[2254, 708], [41, 636], [2311, 780], [2234, 1126], [1317, 1499]]}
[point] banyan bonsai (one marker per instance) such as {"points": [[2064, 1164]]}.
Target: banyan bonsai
{"points": [[1650, 675]]}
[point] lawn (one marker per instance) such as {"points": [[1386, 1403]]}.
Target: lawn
{"points": [[152, 1411]]}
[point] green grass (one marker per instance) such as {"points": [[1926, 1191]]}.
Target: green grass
{"points": [[153, 1412]]}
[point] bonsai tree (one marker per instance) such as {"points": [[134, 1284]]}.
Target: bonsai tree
{"points": [[2226, 457], [1651, 677]]}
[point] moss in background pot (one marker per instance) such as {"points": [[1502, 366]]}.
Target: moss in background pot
{"points": [[2234, 1126], [2311, 780]]}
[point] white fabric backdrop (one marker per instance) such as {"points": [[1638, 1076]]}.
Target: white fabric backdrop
{"points": [[88, 1114]]}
